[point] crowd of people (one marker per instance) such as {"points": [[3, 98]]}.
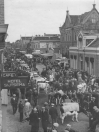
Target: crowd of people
{"points": [[60, 78]]}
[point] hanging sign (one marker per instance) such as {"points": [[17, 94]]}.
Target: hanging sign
{"points": [[14, 82]]}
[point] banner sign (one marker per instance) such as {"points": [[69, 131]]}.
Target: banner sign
{"points": [[8, 74], [14, 82]]}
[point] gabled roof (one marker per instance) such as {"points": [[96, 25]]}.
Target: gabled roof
{"points": [[83, 16], [77, 19], [95, 43], [74, 19]]}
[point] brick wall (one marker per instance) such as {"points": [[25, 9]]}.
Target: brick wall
{"points": [[1, 11]]}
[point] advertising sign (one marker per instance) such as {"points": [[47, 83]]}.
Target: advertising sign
{"points": [[14, 82], [8, 74]]}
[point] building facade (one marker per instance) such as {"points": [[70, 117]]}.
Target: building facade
{"points": [[24, 40], [85, 56], [46, 42], [89, 21]]}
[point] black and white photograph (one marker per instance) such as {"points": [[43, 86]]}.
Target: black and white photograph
{"points": [[49, 65]]}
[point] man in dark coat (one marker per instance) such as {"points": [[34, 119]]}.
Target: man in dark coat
{"points": [[44, 118], [35, 97], [43, 73], [34, 120], [29, 95], [70, 94], [14, 103], [92, 104], [64, 87], [21, 107], [53, 113], [57, 85], [95, 119]]}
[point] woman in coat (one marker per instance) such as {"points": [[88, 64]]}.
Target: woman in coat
{"points": [[34, 120]]}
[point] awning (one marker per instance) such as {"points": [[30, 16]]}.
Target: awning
{"points": [[23, 52], [47, 55], [28, 55]]}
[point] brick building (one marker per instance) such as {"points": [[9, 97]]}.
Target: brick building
{"points": [[89, 21], [46, 42]]}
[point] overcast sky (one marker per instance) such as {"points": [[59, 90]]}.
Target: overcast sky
{"points": [[36, 17]]}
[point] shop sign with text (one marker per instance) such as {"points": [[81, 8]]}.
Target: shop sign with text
{"points": [[14, 82]]}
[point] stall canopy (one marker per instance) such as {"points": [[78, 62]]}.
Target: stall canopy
{"points": [[23, 52], [37, 52], [47, 55], [29, 56]]}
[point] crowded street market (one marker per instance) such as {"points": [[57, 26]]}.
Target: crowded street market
{"points": [[68, 92]]}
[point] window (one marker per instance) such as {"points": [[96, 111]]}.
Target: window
{"points": [[70, 37], [66, 37], [93, 20], [75, 37]]}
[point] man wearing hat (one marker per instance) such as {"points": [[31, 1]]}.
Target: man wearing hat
{"points": [[53, 113], [46, 106], [44, 119], [14, 103], [21, 107], [92, 104], [34, 120], [35, 97]]}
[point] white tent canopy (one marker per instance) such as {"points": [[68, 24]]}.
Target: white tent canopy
{"points": [[29, 55]]}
